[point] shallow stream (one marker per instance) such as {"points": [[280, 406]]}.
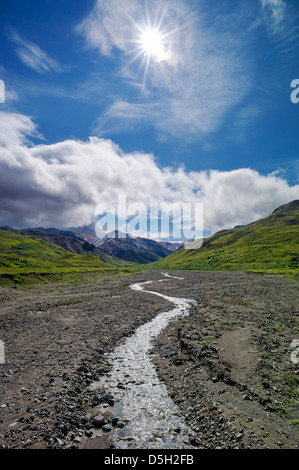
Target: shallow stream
{"points": [[153, 421]]}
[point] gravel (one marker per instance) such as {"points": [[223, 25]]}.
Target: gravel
{"points": [[227, 367]]}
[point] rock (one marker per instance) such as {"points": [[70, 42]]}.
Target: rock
{"points": [[115, 421], [121, 386], [107, 428], [99, 421], [264, 400], [120, 424], [194, 442], [63, 427], [177, 362], [246, 398], [84, 420], [95, 400], [108, 398], [27, 443]]}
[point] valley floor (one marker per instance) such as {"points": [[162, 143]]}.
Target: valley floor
{"points": [[227, 365]]}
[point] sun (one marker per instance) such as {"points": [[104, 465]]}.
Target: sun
{"points": [[152, 43]]}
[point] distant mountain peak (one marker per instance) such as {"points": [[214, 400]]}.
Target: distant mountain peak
{"points": [[288, 207], [118, 234]]}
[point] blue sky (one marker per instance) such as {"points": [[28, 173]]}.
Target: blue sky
{"points": [[207, 109]]}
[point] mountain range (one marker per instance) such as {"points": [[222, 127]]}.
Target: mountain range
{"points": [[268, 245], [112, 248], [129, 248]]}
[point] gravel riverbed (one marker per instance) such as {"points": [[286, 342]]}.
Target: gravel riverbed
{"points": [[226, 366]]}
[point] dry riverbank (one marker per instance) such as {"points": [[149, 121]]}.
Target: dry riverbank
{"points": [[228, 364]]}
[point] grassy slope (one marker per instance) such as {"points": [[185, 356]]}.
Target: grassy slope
{"points": [[268, 245], [22, 254], [74, 245]]}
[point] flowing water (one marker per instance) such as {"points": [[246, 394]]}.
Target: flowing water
{"points": [[141, 400]]}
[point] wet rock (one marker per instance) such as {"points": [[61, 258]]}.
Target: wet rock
{"points": [[120, 424], [115, 421], [106, 397], [107, 428]]}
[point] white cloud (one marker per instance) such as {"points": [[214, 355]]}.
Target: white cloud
{"points": [[33, 56], [109, 24], [274, 14], [188, 94], [61, 184]]}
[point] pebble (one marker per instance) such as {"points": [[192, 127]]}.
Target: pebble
{"points": [[246, 398], [194, 442], [27, 443]]}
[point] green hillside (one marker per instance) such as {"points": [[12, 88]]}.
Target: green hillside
{"points": [[268, 245], [22, 255]]}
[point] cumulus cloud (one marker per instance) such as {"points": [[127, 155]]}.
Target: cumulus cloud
{"points": [[61, 184]]}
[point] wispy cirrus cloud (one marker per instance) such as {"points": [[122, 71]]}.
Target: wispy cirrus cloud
{"points": [[123, 114], [189, 93], [274, 14], [280, 19], [33, 56]]}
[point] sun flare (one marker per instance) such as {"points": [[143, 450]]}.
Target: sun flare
{"points": [[153, 45]]}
